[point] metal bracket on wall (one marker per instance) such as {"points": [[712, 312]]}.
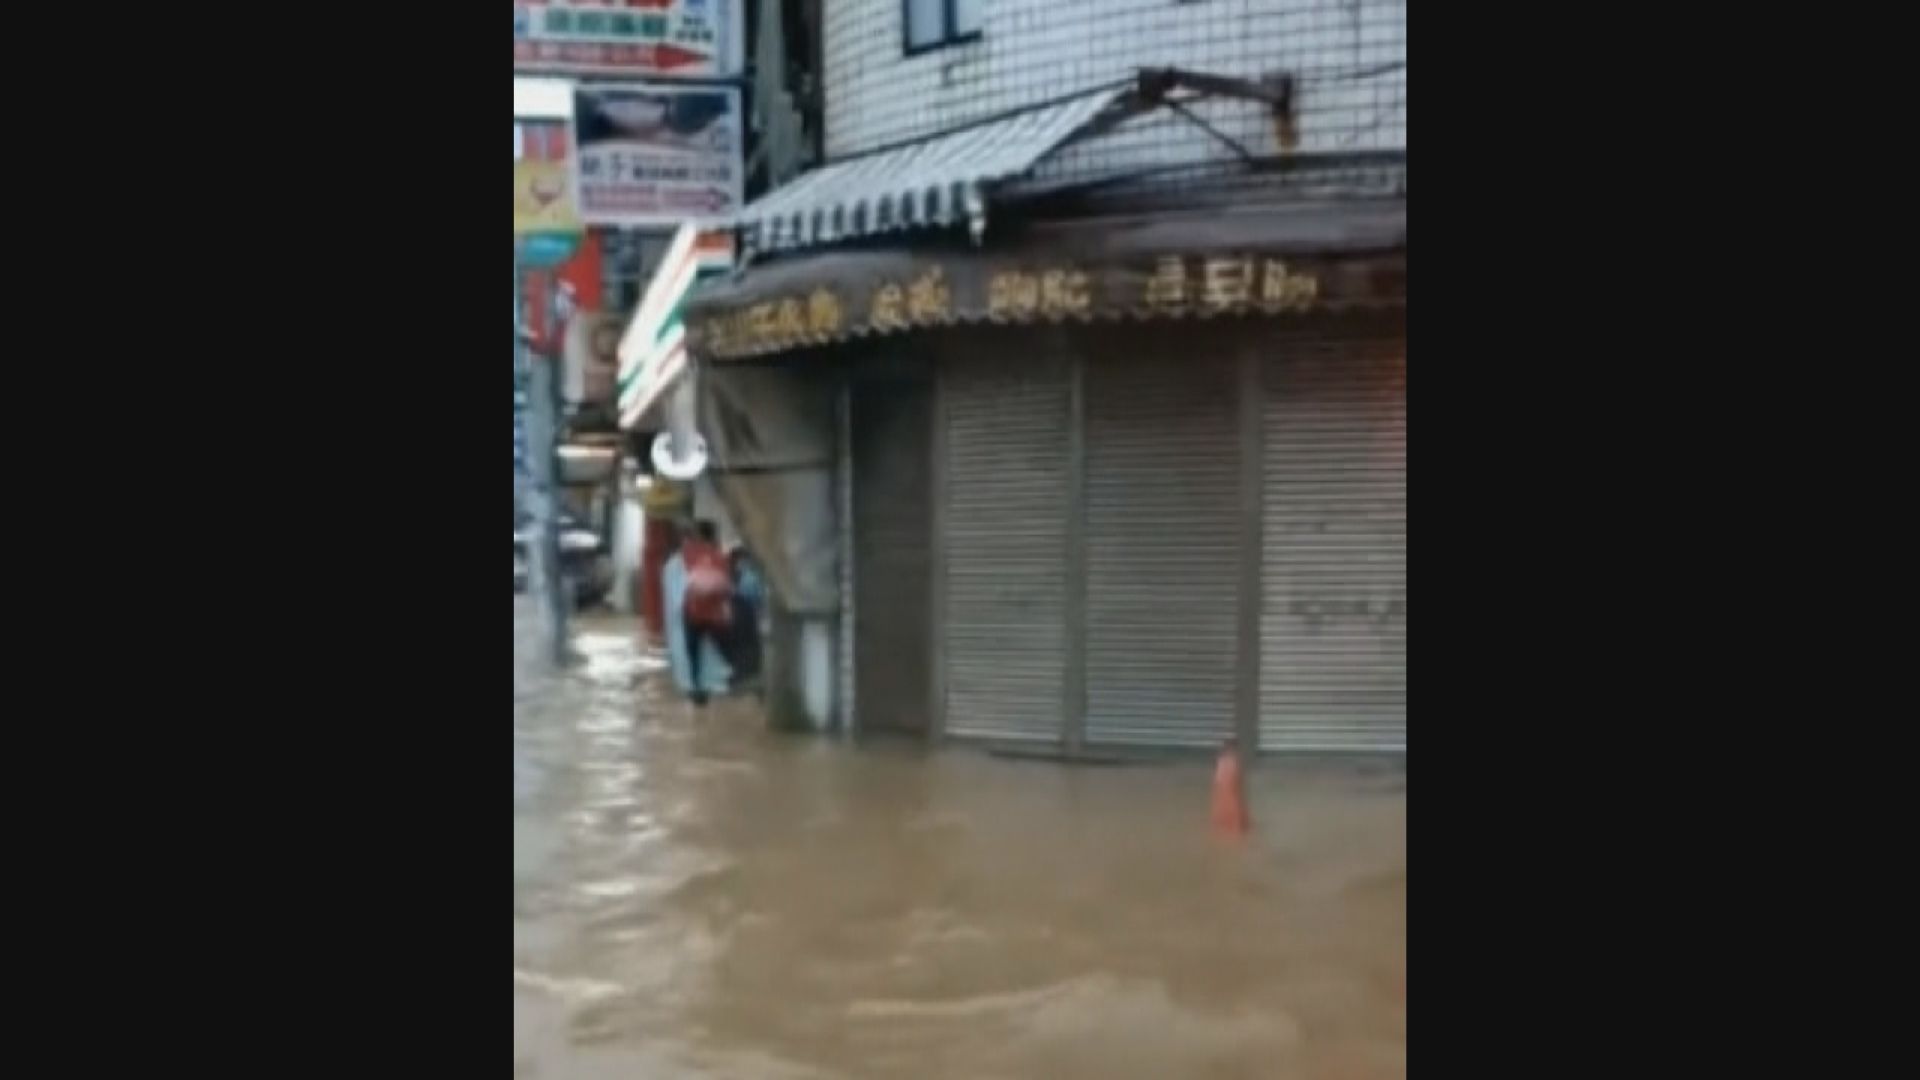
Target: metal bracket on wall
{"points": [[1275, 91]]}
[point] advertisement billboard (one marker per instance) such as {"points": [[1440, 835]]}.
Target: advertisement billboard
{"points": [[688, 39], [656, 155], [546, 218]]}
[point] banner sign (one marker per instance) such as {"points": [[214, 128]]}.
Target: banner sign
{"points": [[699, 39], [542, 199], [653, 350], [894, 291], [546, 222], [657, 155], [543, 195]]}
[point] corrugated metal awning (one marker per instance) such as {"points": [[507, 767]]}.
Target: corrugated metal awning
{"points": [[937, 182]]}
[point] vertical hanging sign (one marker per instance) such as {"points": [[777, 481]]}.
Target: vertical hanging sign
{"points": [[546, 222]]}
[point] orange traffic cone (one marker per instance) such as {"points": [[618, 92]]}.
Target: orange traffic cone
{"points": [[1230, 793]]}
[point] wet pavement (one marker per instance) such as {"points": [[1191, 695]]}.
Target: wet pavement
{"points": [[695, 896]]}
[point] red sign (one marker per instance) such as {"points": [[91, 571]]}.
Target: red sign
{"points": [[697, 38], [579, 277]]}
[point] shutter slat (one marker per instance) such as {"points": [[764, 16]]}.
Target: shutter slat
{"points": [[1333, 675]]}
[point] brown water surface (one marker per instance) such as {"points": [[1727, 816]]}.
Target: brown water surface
{"points": [[694, 896]]}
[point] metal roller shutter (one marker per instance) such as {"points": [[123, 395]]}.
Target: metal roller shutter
{"points": [[1333, 674], [843, 553], [892, 534], [1005, 526], [1163, 543]]}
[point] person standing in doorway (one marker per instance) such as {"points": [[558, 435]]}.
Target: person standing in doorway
{"points": [[707, 609], [749, 596]]}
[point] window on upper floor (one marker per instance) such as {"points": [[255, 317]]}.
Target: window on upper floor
{"points": [[932, 24]]}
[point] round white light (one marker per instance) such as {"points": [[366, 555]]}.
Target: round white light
{"points": [[683, 468]]}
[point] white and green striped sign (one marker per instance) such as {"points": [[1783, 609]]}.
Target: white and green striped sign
{"points": [[653, 352]]}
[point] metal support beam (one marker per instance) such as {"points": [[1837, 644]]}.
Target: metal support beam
{"points": [[1252, 402], [1075, 705], [1274, 91], [845, 669], [1219, 136], [937, 533]]}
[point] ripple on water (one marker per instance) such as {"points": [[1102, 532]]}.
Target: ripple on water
{"points": [[698, 899], [1097, 1024], [574, 991]]}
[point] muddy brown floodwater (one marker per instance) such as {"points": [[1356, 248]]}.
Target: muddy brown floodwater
{"points": [[694, 896]]}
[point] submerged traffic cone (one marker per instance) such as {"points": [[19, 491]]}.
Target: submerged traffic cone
{"points": [[1230, 793]]}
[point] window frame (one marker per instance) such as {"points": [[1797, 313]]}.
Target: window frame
{"points": [[949, 18]]}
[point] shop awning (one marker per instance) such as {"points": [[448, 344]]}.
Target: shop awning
{"points": [[936, 182], [1207, 262]]}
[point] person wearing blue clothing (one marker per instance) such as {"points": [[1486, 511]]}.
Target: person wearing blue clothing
{"points": [[749, 601], [714, 674]]}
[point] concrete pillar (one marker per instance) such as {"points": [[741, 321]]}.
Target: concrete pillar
{"points": [[800, 672], [628, 542], [816, 672]]}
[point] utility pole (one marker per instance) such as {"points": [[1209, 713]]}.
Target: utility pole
{"points": [[546, 232], [543, 449]]}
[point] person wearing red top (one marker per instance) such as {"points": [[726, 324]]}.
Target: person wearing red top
{"points": [[707, 611]]}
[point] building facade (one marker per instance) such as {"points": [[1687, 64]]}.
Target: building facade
{"points": [[1104, 302], [884, 86]]}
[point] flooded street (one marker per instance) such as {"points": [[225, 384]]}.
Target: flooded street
{"points": [[695, 896]]}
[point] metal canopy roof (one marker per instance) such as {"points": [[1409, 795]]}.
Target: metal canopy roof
{"points": [[936, 182]]}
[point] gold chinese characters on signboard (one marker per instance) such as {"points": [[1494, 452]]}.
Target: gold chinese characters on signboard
{"points": [[924, 301], [1052, 294], [887, 310], [929, 301], [1170, 286], [773, 324], [1228, 283], [823, 314], [1282, 289]]}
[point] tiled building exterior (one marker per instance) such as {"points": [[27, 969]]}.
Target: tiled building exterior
{"points": [[1349, 57]]}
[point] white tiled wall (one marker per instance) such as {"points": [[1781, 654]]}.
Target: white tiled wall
{"points": [[1037, 50]]}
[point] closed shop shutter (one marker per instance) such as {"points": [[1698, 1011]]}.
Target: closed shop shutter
{"points": [[1163, 541], [892, 533], [1005, 526], [843, 554], [1333, 673]]}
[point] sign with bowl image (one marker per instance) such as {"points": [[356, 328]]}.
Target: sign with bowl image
{"points": [[657, 155]]}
